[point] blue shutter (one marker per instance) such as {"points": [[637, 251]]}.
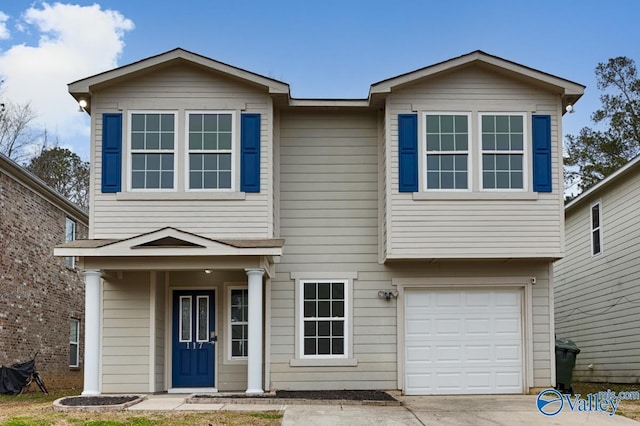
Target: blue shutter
{"points": [[111, 152], [250, 153], [541, 133], [408, 152]]}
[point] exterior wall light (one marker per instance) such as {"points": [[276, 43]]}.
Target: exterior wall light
{"points": [[388, 294]]}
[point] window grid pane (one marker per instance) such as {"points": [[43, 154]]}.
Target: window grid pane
{"points": [[502, 152], [323, 318], [239, 310], [152, 144], [210, 143], [74, 342], [447, 146], [596, 230], [69, 235]]}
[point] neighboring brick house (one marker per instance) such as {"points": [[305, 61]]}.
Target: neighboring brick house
{"points": [[41, 296]]}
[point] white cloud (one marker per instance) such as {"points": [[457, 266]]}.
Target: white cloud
{"points": [[4, 31], [74, 42]]}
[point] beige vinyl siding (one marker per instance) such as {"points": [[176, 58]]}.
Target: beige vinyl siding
{"points": [[182, 88], [473, 228], [596, 298], [160, 318], [329, 205], [125, 333]]}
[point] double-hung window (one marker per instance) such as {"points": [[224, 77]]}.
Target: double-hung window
{"points": [[503, 158], [74, 343], [239, 322], [324, 319], [69, 235], [210, 141], [152, 138], [447, 151], [596, 229]]}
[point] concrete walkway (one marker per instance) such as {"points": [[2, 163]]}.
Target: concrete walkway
{"points": [[423, 410]]}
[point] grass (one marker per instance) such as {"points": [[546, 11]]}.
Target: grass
{"points": [[628, 408], [35, 409]]}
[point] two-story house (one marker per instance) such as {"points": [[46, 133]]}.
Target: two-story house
{"points": [[244, 240], [596, 292], [41, 296]]}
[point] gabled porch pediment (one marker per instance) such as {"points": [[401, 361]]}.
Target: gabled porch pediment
{"points": [[171, 242]]}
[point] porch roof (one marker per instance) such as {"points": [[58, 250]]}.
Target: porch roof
{"points": [[171, 242]]}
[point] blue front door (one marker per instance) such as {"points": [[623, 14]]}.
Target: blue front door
{"points": [[193, 338]]}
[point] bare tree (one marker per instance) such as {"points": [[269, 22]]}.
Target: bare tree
{"points": [[16, 132]]}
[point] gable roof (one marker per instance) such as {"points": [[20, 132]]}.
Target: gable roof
{"points": [[569, 90], [631, 166], [28, 179], [170, 241], [82, 89]]}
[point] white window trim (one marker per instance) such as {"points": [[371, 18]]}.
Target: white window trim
{"points": [[526, 146], [599, 228], [235, 132], [229, 359], [174, 151], [76, 321], [347, 359], [422, 164], [70, 261]]}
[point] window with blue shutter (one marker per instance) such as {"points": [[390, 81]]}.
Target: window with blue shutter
{"points": [[111, 152], [250, 153], [408, 152], [541, 135]]}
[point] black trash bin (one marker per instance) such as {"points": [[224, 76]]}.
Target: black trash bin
{"points": [[566, 352]]}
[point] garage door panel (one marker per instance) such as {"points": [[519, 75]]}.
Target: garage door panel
{"points": [[472, 348], [479, 352], [448, 327]]}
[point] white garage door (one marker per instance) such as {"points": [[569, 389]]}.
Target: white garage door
{"points": [[463, 342]]}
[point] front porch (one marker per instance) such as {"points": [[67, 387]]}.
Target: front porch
{"points": [[171, 311]]}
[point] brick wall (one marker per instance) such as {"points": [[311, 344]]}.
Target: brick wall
{"points": [[38, 293]]}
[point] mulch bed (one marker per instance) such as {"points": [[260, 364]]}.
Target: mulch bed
{"points": [[91, 401], [348, 395]]}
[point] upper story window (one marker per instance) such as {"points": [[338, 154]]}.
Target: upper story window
{"points": [[152, 150], [473, 152], [447, 151], [596, 229], [210, 137], [69, 235], [503, 154]]}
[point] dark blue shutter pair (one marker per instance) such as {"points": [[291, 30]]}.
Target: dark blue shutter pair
{"points": [[112, 152], [408, 152]]}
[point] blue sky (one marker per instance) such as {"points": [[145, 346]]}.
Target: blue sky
{"points": [[323, 49]]}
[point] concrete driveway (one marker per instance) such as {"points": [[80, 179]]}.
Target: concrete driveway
{"points": [[450, 410]]}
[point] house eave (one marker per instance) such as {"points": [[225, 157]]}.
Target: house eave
{"points": [[82, 89], [612, 178], [565, 87], [25, 177]]}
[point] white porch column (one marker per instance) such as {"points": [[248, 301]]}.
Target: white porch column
{"points": [[254, 363], [91, 332]]}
